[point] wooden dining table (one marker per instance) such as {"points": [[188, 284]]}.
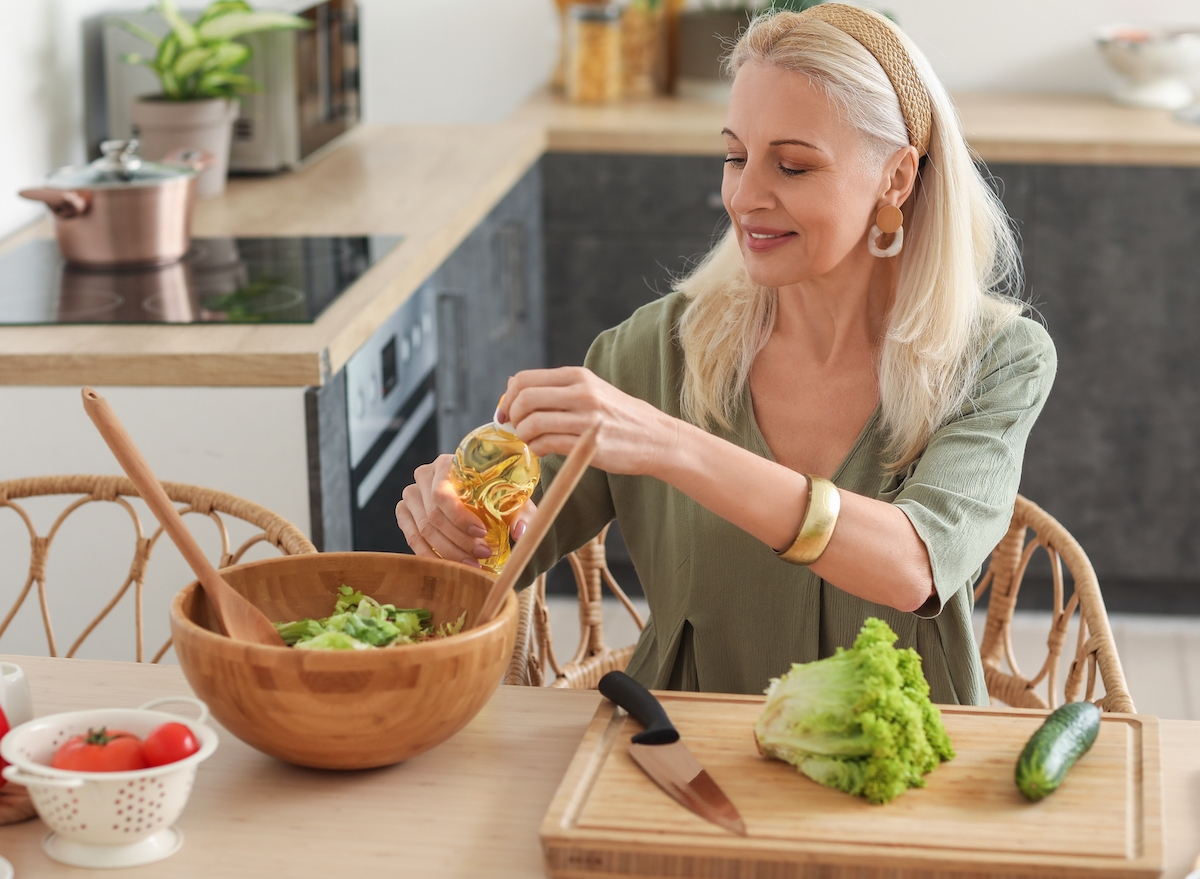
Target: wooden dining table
{"points": [[469, 808]]}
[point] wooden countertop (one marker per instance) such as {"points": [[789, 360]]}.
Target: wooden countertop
{"points": [[470, 807], [1059, 129], [432, 185]]}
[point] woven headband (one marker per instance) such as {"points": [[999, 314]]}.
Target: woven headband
{"points": [[876, 35]]}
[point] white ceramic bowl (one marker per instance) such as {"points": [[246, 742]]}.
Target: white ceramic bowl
{"points": [[106, 819], [1153, 60]]}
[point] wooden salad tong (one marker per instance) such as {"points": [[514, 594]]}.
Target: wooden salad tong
{"points": [[240, 619]]}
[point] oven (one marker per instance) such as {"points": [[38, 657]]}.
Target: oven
{"points": [[392, 418]]}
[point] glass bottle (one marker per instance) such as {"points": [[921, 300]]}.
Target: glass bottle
{"points": [[494, 473]]}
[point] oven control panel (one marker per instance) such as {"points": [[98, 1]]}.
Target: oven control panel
{"points": [[384, 373]]}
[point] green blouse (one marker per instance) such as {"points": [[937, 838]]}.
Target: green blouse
{"points": [[726, 614]]}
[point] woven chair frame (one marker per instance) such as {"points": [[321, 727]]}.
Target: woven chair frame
{"points": [[276, 531], [1095, 648], [534, 649]]}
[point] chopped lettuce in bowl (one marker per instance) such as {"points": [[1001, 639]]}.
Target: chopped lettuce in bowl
{"points": [[359, 622]]}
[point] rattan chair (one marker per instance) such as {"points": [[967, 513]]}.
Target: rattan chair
{"points": [[1095, 649], [534, 649], [275, 530]]}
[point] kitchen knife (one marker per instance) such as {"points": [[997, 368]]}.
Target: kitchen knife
{"points": [[662, 756]]}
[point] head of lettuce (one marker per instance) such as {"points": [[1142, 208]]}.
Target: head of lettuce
{"points": [[859, 721]]}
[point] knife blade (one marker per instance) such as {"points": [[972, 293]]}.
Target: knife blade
{"points": [[665, 758]]}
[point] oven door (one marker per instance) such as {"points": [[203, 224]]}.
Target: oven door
{"points": [[377, 483], [392, 416]]}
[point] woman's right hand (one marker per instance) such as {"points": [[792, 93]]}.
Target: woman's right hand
{"points": [[435, 522]]}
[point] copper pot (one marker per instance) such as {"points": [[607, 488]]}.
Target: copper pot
{"points": [[120, 210]]}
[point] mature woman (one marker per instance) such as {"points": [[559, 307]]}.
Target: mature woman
{"points": [[826, 420]]}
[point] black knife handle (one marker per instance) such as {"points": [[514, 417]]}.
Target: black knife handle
{"points": [[640, 702]]}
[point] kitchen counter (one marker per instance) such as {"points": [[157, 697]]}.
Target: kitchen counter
{"points": [[470, 807], [1057, 129], [432, 185]]}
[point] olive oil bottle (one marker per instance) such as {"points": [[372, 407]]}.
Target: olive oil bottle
{"points": [[494, 473]]}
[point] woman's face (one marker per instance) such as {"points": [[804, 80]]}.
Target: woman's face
{"points": [[801, 185]]}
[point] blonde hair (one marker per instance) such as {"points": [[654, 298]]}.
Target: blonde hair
{"points": [[959, 261]]}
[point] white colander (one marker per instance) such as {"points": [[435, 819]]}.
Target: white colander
{"points": [[106, 819]]}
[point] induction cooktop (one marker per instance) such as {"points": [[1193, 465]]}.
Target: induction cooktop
{"points": [[219, 280]]}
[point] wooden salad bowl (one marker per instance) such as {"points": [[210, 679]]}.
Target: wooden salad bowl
{"points": [[346, 709]]}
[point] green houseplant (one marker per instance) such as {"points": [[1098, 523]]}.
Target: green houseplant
{"points": [[198, 65]]}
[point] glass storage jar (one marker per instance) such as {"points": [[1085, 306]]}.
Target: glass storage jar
{"points": [[593, 74]]}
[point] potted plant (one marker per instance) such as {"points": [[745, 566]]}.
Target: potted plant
{"points": [[198, 66]]}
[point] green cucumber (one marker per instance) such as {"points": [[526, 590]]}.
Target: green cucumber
{"points": [[1050, 753]]}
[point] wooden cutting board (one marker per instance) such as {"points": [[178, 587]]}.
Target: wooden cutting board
{"points": [[609, 819]]}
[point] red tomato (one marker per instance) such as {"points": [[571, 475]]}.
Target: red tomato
{"points": [[4, 728], [101, 750], [168, 743]]}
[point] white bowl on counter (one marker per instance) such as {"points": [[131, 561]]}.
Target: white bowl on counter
{"points": [[106, 819], [1154, 62]]}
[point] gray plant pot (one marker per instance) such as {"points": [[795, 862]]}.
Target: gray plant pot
{"points": [[163, 126]]}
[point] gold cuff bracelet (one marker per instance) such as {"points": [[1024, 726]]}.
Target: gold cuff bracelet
{"points": [[819, 521]]}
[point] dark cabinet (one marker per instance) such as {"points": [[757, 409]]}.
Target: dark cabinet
{"points": [[1112, 257], [1112, 262], [491, 312], [619, 228]]}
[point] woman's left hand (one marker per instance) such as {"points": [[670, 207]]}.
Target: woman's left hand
{"points": [[552, 408]]}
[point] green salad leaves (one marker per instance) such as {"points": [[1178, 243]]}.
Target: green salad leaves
{"points": [[859, 721], [359, 622]]}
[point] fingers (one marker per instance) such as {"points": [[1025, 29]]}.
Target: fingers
{"points": [[435, 521], [519, 522], [559, 376], [556, 444], [571, 402], [412, 534]]}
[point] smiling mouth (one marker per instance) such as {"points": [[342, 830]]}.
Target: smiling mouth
{"points": [[761, 237]]}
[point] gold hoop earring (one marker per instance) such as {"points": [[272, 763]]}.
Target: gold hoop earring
{"points": [[888, 221]]}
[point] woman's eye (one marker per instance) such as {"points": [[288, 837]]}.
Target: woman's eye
{"points": [[735, 161], [792, 172]]}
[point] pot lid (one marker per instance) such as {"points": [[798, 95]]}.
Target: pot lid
{"points": [[118, 168]]}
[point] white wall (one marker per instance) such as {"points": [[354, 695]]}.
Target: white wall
{"points": [[454, 60], [1026, 45], [41, 99], [246, 441]]}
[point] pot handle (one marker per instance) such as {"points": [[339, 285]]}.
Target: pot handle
{"points": [[197, 160], [65, 203]]}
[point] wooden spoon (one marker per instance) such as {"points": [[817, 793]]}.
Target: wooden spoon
{"points": [[564, 483], [240, 619]]}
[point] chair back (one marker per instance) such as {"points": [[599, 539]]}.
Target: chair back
{"points": [[1095, 650], [273, 530], [534, 650]]}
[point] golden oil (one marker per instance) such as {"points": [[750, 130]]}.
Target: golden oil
{"points": [[494, 473]]}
